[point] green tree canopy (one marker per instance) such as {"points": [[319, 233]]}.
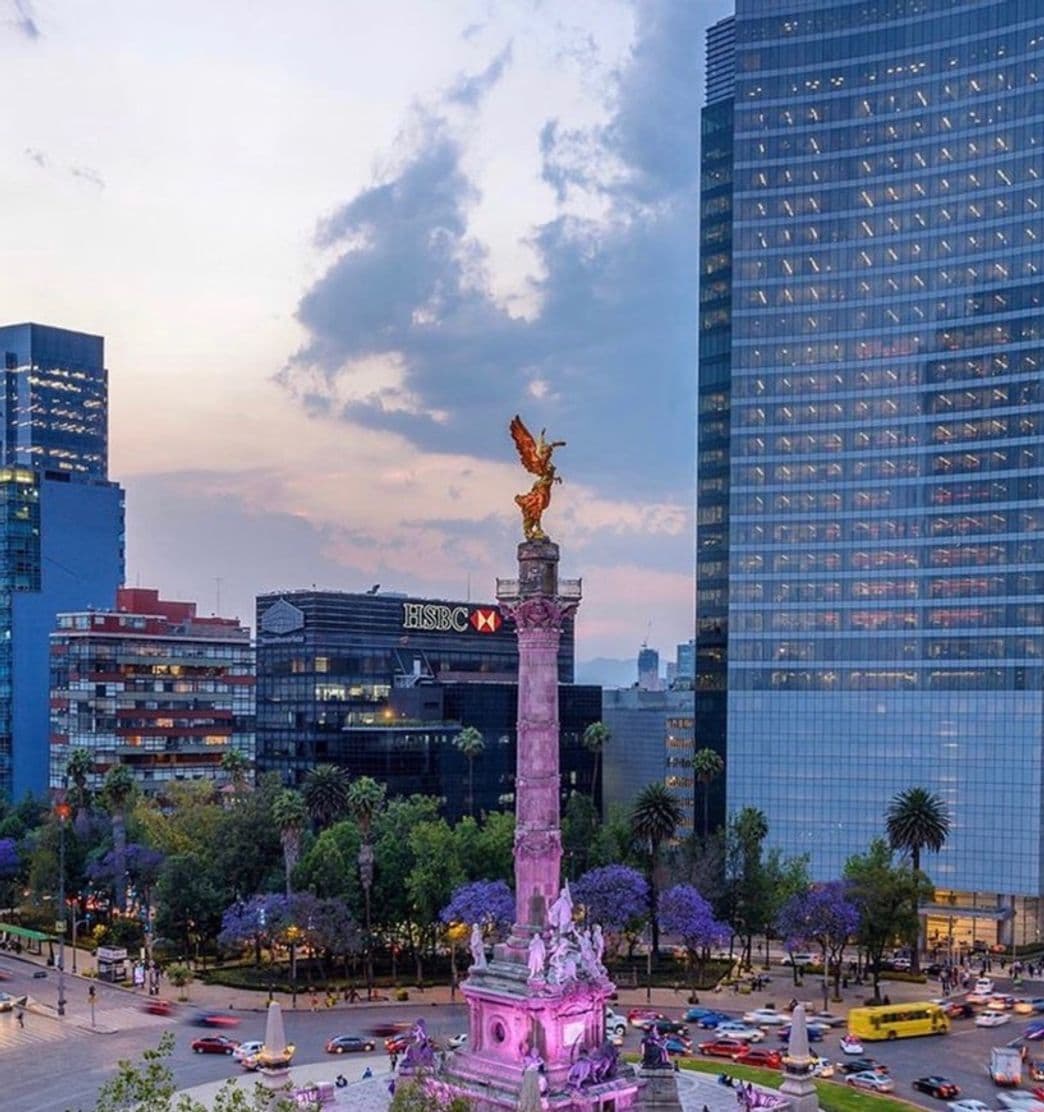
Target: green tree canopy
{"points": [[325, 792]]}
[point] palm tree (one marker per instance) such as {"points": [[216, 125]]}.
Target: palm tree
{"points": [[707, 766], [326, 794], [291, 816], [118, 790], [595, 738], [916, 820], [472, 744], [655, 817], [79, 767], [235, 766], [365, 799]]}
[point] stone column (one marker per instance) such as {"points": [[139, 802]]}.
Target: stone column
{"points": [[535, 605]]}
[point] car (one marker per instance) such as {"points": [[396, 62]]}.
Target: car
{"points": [[694, 1015], [615, 1024], [901, 965], [863, 1065], [5, 974], [760, 1056], [765, 1017], [799, 959], [397, 1043], [992, 1019], [1022, 1006], [247, 1049], [252, 1062], [959, 1009], [941, 1087], [39, 974], [851, 1045], [346, 1044], [215, 1019], [871, 1079], [1038, 1004], [823, 1067], [677, 1045], [737, 1029], [457, 1042], [214, 1044], [384, 1030], [1020, 1102], [974, 997], [637, 1017], [158, 1007], [813, 1030], [826, 1019], [1000, 1002], [712, 1019], [968, 1105], [666, 1027], [722, 1048], [1034, 1032], [984, 986]]}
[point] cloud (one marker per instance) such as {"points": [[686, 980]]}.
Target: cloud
{"points": [[83, 174], [36, 156], [470, 91], [24, 20], [608, 359], [86, 174]]}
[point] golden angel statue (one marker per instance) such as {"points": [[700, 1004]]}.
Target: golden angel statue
{"points": [[536, 458]]}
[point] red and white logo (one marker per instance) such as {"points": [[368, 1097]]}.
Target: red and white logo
{"points": [[485, 621]]}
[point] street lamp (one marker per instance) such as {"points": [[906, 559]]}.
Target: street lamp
{"points": [[62, 810]]}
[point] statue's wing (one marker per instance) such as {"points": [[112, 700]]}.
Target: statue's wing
{"points": [[526, 445]]}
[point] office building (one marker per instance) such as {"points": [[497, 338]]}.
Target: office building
{"points": [[871, 431], [652, 742], [61, 524], [685, 666], [153, 686], [649, 669], [381, 684]]}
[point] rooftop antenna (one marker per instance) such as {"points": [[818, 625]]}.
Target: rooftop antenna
{"points": [[217, 592]]}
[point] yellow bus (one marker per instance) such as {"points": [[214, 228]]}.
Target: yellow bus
{"points": [[898, 1021]]}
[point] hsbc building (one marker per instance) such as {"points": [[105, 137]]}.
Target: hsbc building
{"points": [[344, 678]]}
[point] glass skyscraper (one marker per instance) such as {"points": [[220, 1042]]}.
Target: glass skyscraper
{"points": [[61, 524], [870, 545]]}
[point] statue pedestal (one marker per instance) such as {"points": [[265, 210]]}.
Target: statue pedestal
{"points": [[659, 1092]]}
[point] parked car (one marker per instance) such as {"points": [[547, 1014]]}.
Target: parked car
{"points": [[346, 1044], [214, 1044], [760, 1056], [871, 1079], [992, 1019], [737, 1029], [941, 1087], [722, 1048], [765, 1017]]}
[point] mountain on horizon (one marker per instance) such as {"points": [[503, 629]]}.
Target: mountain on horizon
{"points": [[604, 671]]}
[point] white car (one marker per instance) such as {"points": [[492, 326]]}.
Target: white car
{"points": [[1020, 1102], [984, 986], [247, 1050], [615, 1024], [765, 1017], [826, 1019], [992, 1019], [457, 1042], [734, 1029], [868, 1079], [7, 1002], [823, 1067], [967, 1106], [799, 959], [851, 1045]]}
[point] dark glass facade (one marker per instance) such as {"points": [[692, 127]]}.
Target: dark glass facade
{"points": [[381, 684], [886, 425]]}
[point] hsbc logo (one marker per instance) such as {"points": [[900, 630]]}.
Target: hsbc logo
{"points": [[439, 618], [485, 620]]}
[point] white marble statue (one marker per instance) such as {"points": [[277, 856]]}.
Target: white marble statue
{"points": [[537, 955], [478, 948], [598, 942], [588, 962], [563, 961], [560, 913]]}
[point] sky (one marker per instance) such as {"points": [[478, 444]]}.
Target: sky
{"points": [[334, 246]]}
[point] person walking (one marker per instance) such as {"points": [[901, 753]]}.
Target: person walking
{"points": [[21, 1017]]}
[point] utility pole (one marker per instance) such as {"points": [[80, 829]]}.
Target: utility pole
{"points": [[62, 810]]}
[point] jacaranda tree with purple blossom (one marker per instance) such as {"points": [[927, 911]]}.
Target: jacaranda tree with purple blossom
{"points": [[684, 912], [257, 921], [616, 896], [490, 903], [823, 915]]}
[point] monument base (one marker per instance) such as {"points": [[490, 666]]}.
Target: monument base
{"points": [[659, 1091]]}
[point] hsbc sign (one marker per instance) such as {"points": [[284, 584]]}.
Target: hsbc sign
{"points": [[437, 617]]}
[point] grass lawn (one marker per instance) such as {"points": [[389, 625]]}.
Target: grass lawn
{"points": [[834, 1096]]}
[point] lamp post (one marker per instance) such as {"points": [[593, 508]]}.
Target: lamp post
{"points": [[366, 876], [62, 810]]}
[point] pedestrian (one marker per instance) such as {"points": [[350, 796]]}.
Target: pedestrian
{"points": [[21, 1018], [313, 1001]]}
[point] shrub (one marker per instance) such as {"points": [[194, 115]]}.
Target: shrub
{"points": [[402, 994]]}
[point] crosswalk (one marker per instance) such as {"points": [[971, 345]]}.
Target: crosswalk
{"points": [[48, 1029]]}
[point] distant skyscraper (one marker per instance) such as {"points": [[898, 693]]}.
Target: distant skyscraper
{"points": [[686, 657], [649, 669], [61, 524], [871, 431]]}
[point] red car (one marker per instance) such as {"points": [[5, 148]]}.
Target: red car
{"points": [[158, 1007], [723, 1048], [640, 1017], [397, 1043], [759, 1056], [214, 1044]]}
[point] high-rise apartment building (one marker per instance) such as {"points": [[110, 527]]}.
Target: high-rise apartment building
{"points": [[153, 686], [61, 524], [871, 430]]}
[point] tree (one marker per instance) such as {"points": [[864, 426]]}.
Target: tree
{"points": [[118, 792], [886, 896], [235, 766], [824, 915], [188, 902], [290, 816], [257, 922], [595, 739], [613, 895], [686, 913], [579, 827], [413, 1095], [365, 800], [655, 817], [10, 866], [916, 820], [707, 766], [471, 743], [436, 873], [326, 794], [490, 903], [79, 767], [747, 899]]}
